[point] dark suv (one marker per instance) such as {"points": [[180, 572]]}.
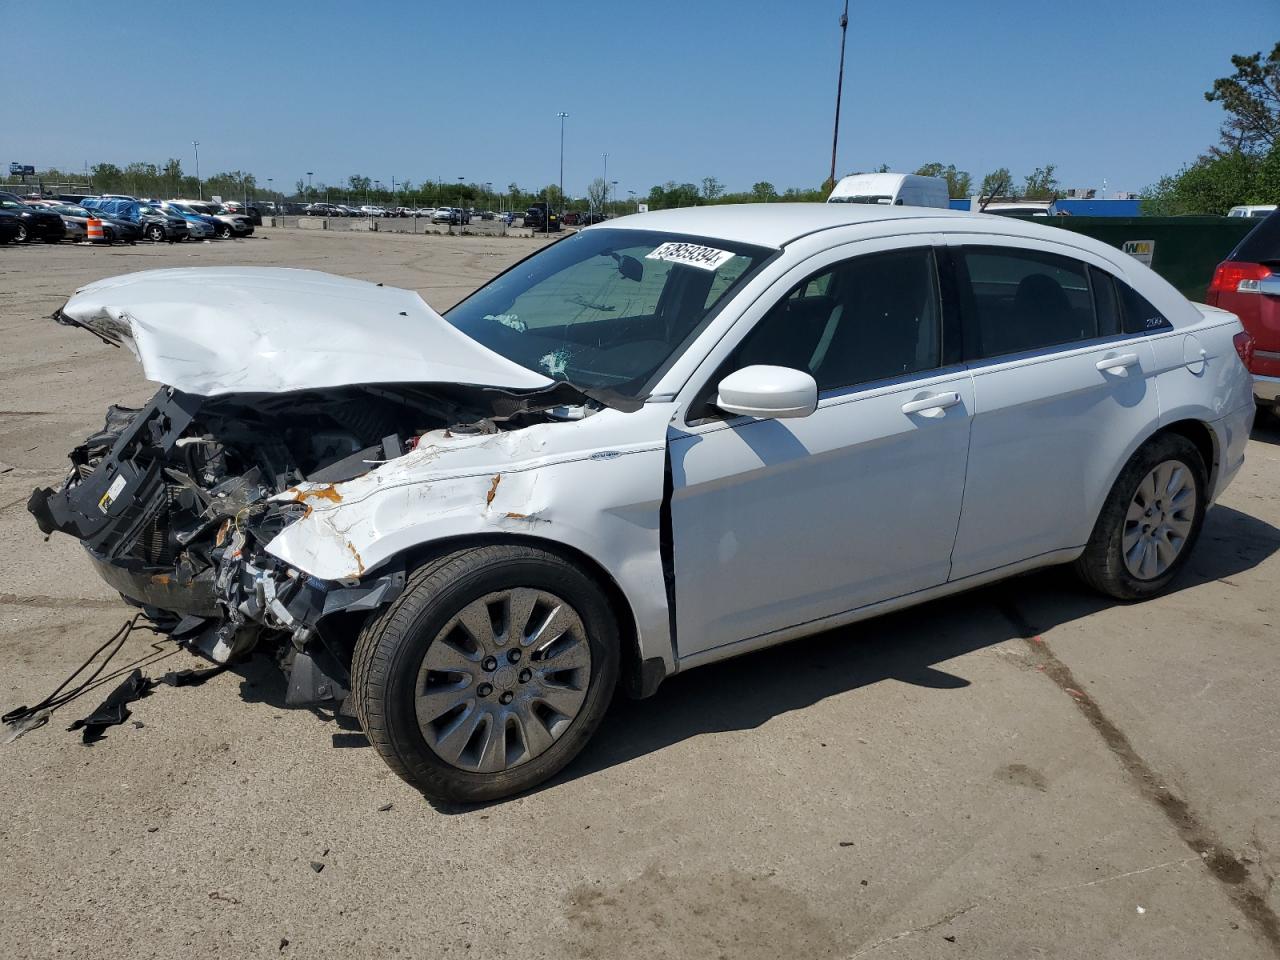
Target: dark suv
{"points": [[1248, 284], [540, 217], [33, 223]]}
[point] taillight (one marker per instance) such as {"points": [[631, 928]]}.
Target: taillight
{"points": [[1244, 343], [1233, 277]]}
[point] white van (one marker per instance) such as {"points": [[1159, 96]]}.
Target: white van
{"points": [[1254, 211], [892, 189]]}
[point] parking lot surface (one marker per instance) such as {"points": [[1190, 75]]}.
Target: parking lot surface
{"points": [[1025, 770]]}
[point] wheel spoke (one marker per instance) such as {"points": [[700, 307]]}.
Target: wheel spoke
{"points": [[1179, 526], [533, 733], [492, 750], [1146, 494], [438, 701], [454, 739], [1148, 560], [1132, 535], [444, 657], [568, 654], [1165, 553], [560, 619], [475, 620], [565, 700], [520, 607]]}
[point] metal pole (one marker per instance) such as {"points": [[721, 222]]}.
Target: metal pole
{"points": [[562, 115], [835, 136], [195, 145]]}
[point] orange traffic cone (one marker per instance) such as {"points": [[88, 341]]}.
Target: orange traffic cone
{"points": [[95, 230]]}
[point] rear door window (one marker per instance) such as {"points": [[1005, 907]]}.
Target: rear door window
{"points": [[1017, 300]]}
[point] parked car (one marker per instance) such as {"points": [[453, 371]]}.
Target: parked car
{"points": [[1248, 284], [33, 222], [321, 210], [450, 215], [540, 218], [202, 226], [10, 225], [249, 210], [74, 219], [154, 223], [544, 497], [114, 230], [229, 224], [571, 218]]}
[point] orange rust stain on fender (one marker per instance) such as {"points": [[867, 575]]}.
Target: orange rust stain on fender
{"points": [[359, 563], [328, 492], [493, 490]]}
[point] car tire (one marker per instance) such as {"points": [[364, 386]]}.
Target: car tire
{"points": [[154, 233], [224, 232], [397, 648], [1124, 558], [22, 236]]}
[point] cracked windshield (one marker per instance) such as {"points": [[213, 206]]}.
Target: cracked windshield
{"points": [[605, 309]]}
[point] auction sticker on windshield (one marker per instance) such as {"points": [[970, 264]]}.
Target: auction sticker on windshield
{"points": [[691, 254]]}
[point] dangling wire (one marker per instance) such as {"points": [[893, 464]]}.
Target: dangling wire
{"points": [[56, 699]]}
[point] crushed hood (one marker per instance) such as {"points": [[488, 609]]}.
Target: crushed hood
{"points": [[218, 330]]}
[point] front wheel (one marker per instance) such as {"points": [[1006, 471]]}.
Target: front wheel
{"points": [[1150, 521], [22, 236], [224, 232], [155, 233], [488, 674]]}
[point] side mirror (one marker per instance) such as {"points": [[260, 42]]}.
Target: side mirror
{"points": [[768, 393]]}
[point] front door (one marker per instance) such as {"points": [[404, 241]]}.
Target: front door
{"points": [[777, 523]]}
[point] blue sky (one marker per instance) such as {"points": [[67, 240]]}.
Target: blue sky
{"points": [[672, 91]]}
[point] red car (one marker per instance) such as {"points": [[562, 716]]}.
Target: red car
{"points": [[1248, 284]]}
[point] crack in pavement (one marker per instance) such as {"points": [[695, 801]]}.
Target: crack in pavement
{"points": [[1225, 866], [57, 603]]}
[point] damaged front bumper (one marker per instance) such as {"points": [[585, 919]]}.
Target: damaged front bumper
{"points": [[186, 544]]}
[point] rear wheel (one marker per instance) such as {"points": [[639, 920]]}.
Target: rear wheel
{"points": [[488, 674], [22, 236], [1150, 521]]}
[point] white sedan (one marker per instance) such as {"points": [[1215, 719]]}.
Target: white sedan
{"points": [[666, 440]]}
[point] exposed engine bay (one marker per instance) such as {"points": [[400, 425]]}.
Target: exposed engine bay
{"points": [[176, 501]]}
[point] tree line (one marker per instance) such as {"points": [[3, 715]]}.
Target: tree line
{"points": [[1244, 166]]}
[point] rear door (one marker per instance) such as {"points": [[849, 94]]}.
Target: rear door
{"points": [[1060, 393]]}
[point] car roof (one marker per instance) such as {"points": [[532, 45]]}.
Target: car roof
{"points": [[777, 224]]}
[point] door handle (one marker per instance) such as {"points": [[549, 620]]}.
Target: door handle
{"points": [[1117, 363], [939, 401]]}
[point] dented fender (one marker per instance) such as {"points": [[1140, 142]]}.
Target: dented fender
{"points": [[595, 485]]}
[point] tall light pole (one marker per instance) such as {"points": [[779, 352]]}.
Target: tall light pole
{"points": [[614, 183], [835, 136], [195, 145], [308, 188], [563, 116]]}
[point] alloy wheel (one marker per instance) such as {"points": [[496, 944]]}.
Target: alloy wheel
{"points": [[503, 680], [1159, 520]]}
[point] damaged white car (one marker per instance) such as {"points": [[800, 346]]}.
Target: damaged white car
{"points": [[662, 441]]}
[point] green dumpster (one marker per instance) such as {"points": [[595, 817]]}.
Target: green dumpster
{"points": [[1183, 250]]}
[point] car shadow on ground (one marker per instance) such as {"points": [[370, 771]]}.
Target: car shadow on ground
{"points": [[907, 646]]}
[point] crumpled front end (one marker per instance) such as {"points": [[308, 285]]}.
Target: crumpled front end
{"points": [[177, 501]]}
